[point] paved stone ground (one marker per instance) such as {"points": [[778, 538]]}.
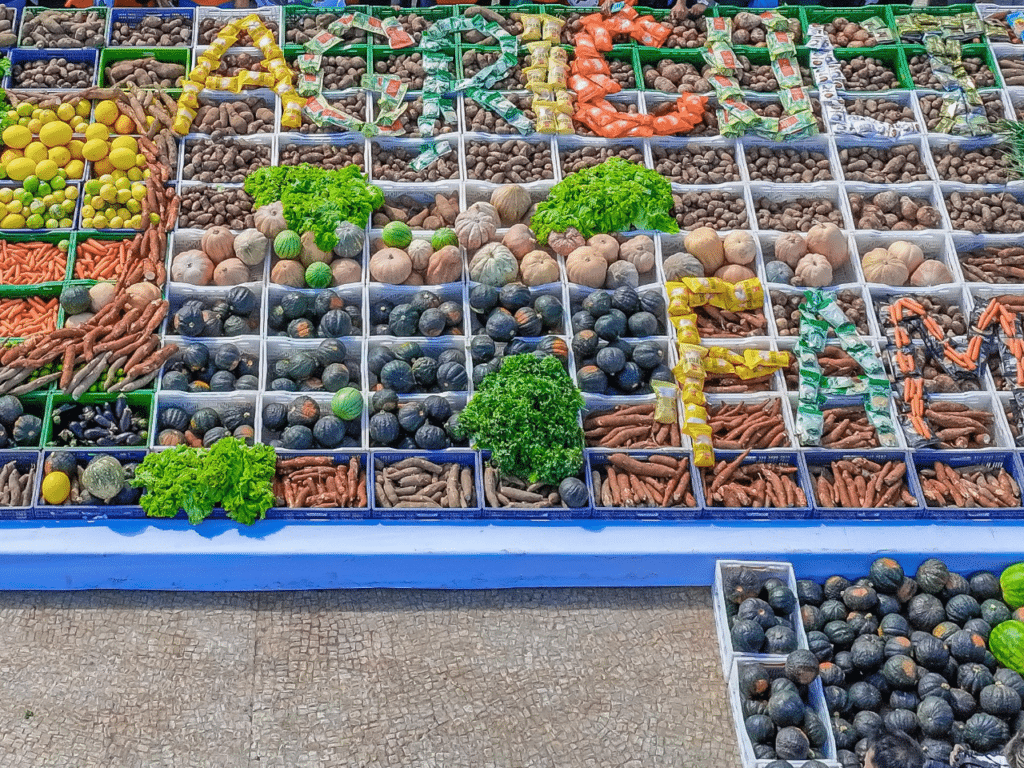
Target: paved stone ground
{"points": [[518, 678]]}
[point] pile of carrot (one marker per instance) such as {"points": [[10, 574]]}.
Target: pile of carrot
{"points": [[101, 259], [20, 318], [31, 263]]}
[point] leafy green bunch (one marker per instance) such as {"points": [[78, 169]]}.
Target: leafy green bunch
{"points": [[613, 196], [526, 414], [1012, 133], [236, 476], [316, 200]]}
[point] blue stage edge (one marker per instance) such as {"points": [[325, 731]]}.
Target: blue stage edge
{"points": [[220, 555]]}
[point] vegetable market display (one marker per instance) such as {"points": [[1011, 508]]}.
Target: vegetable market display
{"points": [[816, 670], [529, 263]]}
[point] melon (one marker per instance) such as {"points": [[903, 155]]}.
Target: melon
{"points": [[347, 404], [319, 275], [396, 235], [443, 237], [288, 244]]}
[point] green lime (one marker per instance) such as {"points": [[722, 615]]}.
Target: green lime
{"points": [[52, 224], [63, 246], [35, 221], [31, 184], [44, 189], [57, 183]]}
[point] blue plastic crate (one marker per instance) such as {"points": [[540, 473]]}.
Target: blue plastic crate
{"points": [[599, 459], [24, 461], [22, 55], [18, 6], [135, 15], [1010, 461], [785, 458], [329, 513], [465, 458], [540, 513], [818, 458], [44, 511]]}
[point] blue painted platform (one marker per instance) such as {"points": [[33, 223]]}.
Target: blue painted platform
{"points": [[272, 555]]}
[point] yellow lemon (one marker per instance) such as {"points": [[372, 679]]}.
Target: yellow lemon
{"points": [[10, 154], [55, 134], [35, 125], [17, 136], [13, 221], [75, 169], [6, 195], [60, 155], [139, 192], [37, 151], [66, 111], [95, 149], [46, 169], [97, 131], [84, 108], [106, 112], [56, 488], [125, 142], [21, 168], [48, 116], [135, 174], [75, 148], [99, 221], [124, 125]]}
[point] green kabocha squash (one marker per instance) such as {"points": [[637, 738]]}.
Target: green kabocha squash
{"points": [[967, 646], [999, 700], [574, 492], [740, 584], [995, 612], [1010, 678], [900, 672], [935, 716], [350, 241], [396, 234], [760, 729], [75, 299], [801, 667], [985, 586], [886, 574], [753, 680], [962, 608], [780, 639], [792, 744], [27, 429], [103, 477], [1012, 583], [973, 678], [932, 576], [985, 732], [756, 609], [786, 708], [288, 244], [747, 636], [1007, 644]]}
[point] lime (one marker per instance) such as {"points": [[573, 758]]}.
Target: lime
{"points": [[44, 189], [24, 109], [93, 186], [57, 183], [66, 223], [36, 206], [30, 184], [63, 245], [35, 221], [68, 207], [52, 224], [56, 211]]}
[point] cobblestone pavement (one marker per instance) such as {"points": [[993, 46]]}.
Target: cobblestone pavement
{"points": [[560, 678]]}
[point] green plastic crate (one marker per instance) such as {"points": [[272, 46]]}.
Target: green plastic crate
{"points": [[975, 51], [818, 15], [110, 56], [140, 402], [947, 10], [891, 55], [292, 12], [38, 289]]}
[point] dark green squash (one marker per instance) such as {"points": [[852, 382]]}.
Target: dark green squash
{"points": [[652, 301], [833, 610], [835, 586], [411, 417], [764, 752], [403, 320], [964, 704], [901, 672], [962, 608], [830, 674], [931, 576], [780, 639], [887, 604], [408, 351], [236, 325], [384, 428], [431, 438], [483, 298], [933, 684], [903, 700], [867, 725], [247, 382], [955, 585], [336, 376], [528, 322], [297, 437], [432, 323], [995, 612], [501, 325], [335, 323], [984, 585], [222, 381], [819, 644], [611, 326], [753, 680], [747, 636], [791, 744], [840, 633], [907, 590], [978, 626], [901, 720], [625, 299], [925, 612], [303, 410], [241, 300], [514, 296], [590, 378], [452, 313], [170, 437], [195, 357], [936, 749], [835, 698], [424, 371], [213, 435], [886, 574], [630, 378], [811, 617], [329, 431], [173, 418], [760, 729], [573, 492], [190, 320], [452, 377], [781, 599], [585, 344], [642, 324], [598, 303], [283, 385], [966, 646], [556, 347], [301, 328], [1011, 679], [863, 623], [945, 630], [859, 598], [999, 700], [780, 684], [809, 592], [275, 416], [437, 409], [931, 653], [899, 645], [864, 696], [739, 584], [582, 321], [845, 734], [868, 652], [397, 376], [202, 420], [482, 349], [973, 678], [786, 708], [303, 365], [894, 625], [551, 312], [380, 311], [985, 732], [648, 355], [423, 300], [295, 305], [801, 666]]}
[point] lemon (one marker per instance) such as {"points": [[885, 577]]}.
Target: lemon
{"points": [[106, 112], [55, 134], [75, 169], [13, 221], [66, 111], [88, 223], [133, 206], [75, 148], [97, 131], [70, 193], [35, 125], [124, 125], [84, 108], [122, 182], [103, 166], [60, 155], [21, 168], [135, 174], [56, 485], [15, 206], [6, 195], [94, 149], [24, 109], [37, 151], [99, 221], [116, 222], [127, 142], [36, 206], [88, 211], [135, 222], [139, 192], [46, 170], [140, 160], [108, 193], [47, 116], [51, 224], [17, 137]]}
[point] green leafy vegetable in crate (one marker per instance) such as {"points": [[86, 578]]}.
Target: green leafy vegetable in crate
{"points": [[230, 473], [316, 200], [613, 196], [526, 414]]}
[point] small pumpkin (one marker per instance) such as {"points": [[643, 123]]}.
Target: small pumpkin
{"points": [[511, 202], [734, 273], [930, 272], [538, 268], [680, 265], [232, 272], [444, 266], [586, 266], [345, 271], [828, 240], [218, 243], [638, 251], [350, 240], [311, 252], [790, 248], [564, 243], [390, 265], [909, 253], [419, 251], [879, 266], [813, 271], [706, 245], [290, 273], [250, 247], [476, 225], [621, 273], [493, 264], [607, 246], [269, 219], [520, 240], [739, 248], [103, 477], [193, 267]]}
